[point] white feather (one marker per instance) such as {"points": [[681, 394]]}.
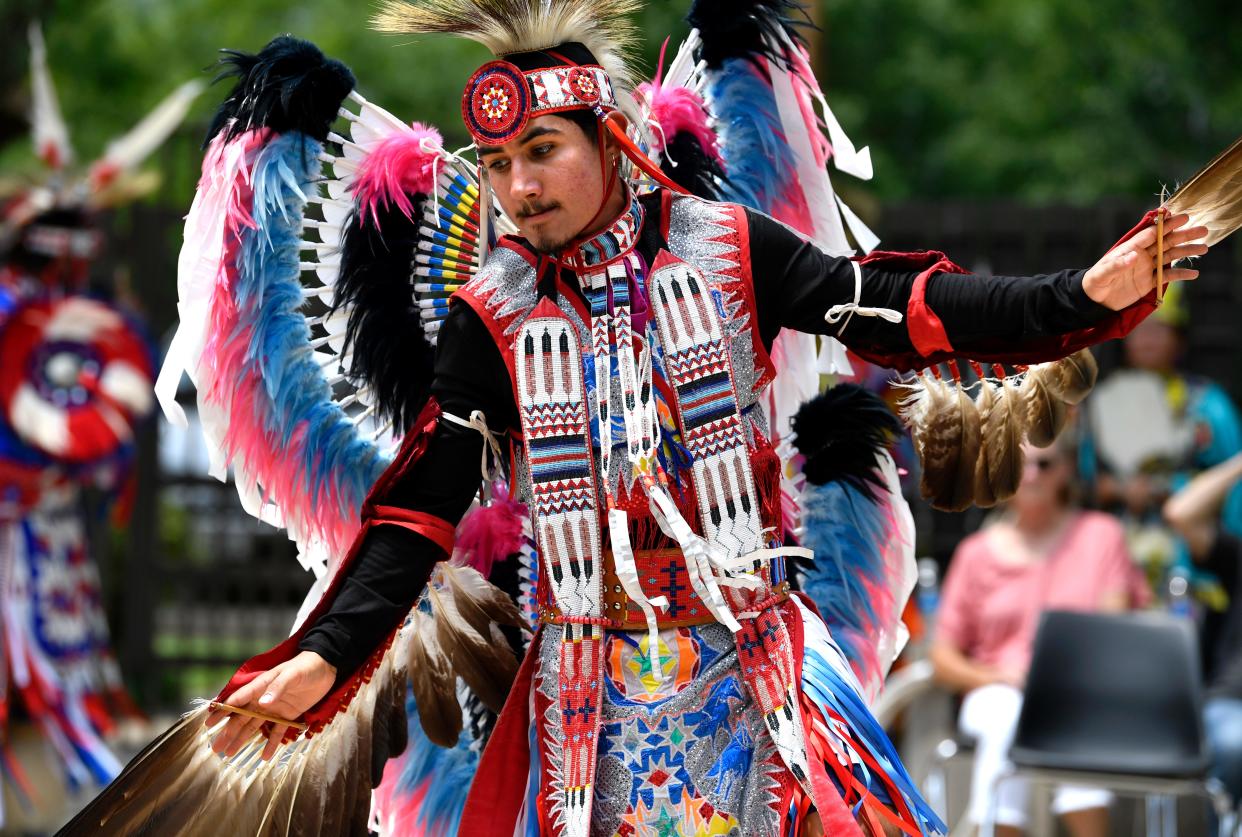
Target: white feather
{"points": [[128, 151], [50, 131]]}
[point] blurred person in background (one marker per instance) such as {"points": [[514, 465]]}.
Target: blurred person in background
{"points": [[1043, 553], [1150, 427], [1195, 514]]}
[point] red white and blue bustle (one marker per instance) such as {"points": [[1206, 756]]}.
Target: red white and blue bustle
{"points": [[76, 376]]}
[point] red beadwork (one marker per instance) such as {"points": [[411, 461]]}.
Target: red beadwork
{"points": [[496, 106], [584, 85]]}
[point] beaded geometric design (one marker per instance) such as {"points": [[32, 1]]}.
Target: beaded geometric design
{"points": [[500, 99], [557, 440]]}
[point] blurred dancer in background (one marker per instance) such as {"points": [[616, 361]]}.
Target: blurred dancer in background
{"points": [[1152, 426], [76, 379]]}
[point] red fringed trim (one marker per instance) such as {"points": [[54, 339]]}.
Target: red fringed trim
{"points": [[374, 513], [766, 466]]}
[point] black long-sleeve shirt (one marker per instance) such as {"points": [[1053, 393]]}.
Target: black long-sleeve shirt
{"points": [[795, 285]]}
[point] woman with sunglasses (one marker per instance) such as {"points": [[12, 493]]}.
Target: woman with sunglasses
{"points": [[1042, 553]]}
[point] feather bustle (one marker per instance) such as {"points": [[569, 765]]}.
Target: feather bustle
{"points": [[289, 85], [748, 29], [840, 433], [384, 338]]}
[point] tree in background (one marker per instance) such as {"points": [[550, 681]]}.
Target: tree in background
{"points": [[1050, 100], [1055, 100]]}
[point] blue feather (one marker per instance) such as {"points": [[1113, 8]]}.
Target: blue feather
{"points": [[846, 530], [446, 774], [757, 156], [334, 460]]}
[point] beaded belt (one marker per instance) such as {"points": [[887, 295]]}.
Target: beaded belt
{"points": [[661, 572]]}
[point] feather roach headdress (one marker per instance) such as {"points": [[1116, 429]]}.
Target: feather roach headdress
{"points": [[559, 55], [50, 219]]}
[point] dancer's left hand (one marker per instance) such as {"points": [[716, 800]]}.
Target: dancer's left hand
{"points": [[1127, 273]]}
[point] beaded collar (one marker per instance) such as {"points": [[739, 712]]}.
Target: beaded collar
{"points": [[614, 240]]}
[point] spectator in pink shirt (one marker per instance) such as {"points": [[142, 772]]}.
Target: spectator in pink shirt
{"points": [[1044, 553]]}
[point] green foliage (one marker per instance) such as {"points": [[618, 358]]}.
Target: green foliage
{"points": [[114, 59], [1047, 100]]}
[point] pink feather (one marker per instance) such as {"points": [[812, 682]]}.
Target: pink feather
{"points": [[399, 809], [401, 165], [491, 533], [678, 109], [233, 386]]}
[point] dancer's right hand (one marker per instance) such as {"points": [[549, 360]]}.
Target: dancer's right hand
{"points": [[286, 691]]}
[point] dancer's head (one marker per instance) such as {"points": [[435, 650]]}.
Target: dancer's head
{"points": [[538, 113]]}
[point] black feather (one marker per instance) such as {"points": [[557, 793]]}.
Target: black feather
{"points": [[390, 351], [745, 28], [696, 171], [840, 432], [290, 85]]}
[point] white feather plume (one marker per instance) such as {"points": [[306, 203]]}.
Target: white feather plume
{"points": [[511, 26], [51, 136], [128, 151]]}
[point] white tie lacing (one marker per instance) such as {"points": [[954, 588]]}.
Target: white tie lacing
{"points": [[490, 465], [849, 309]]}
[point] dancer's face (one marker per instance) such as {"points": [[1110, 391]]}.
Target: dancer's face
{"points": [[549, 181]]}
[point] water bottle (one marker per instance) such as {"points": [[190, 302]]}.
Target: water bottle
{"points": [[927, 595], [1181, 604]]}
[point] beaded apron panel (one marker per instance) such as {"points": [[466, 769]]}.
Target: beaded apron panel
{"points": [[565, 505], [698, 365]]}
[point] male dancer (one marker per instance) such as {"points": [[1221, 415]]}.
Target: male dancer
{"points": [[679, 299]]}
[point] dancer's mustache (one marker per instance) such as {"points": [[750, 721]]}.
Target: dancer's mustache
{"points": [[529, 209]]}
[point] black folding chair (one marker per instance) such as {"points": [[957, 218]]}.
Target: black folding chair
{"points": [[1114, 701]]}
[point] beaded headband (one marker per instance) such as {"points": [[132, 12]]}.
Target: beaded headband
{"points": [[500, 98]]}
